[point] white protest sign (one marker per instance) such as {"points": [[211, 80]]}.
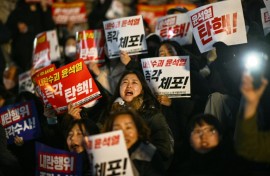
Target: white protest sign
{"points": [[46, 49], [25, 82], [265, 20], [109, 154], [175, 27], [267, 4], [54, 46], [222, 21], [168, 76], [125, 34]]}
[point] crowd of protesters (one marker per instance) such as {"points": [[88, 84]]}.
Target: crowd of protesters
{"points": [[222, 129]]}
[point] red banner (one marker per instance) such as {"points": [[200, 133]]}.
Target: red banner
{"points": [[74, 12]]}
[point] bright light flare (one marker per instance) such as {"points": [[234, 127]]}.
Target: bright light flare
{"points": [[253, 61]]}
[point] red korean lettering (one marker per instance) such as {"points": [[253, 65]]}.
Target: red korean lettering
{"points": [[204, 31]]}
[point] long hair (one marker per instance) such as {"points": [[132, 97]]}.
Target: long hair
{"points": [[90, 127], [149, 99]]}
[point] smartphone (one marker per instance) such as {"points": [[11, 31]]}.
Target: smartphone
{"points": [[255, 65]]}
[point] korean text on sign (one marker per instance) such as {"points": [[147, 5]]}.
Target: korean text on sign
{"points": [[109, 154], [20, 119], [52, 161], [119, 37], [212, 23], [168, 75], [175, 27]]}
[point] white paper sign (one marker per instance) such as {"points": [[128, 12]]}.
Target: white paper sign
{"points": [[222, 21], [49, 52], [125, 34], [109, 154], [267, 4], [25, 82], [265, 20], [168, 76], [175, 27]]}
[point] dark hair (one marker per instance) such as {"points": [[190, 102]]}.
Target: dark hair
{"points": [[149, 99], [142, 128], [177, 9], [200, 119], [169, 43], [90, 127]]}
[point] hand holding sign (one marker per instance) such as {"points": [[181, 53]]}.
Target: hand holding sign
{"points": [[74, 111], [124, 57]]}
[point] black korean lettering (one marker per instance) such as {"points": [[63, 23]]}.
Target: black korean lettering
{"points": [[165, 82]]}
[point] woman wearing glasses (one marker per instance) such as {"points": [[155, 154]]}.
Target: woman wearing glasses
{"points": [[209, 152]]}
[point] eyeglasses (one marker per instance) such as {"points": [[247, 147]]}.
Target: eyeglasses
{"points": [[206, 131]]}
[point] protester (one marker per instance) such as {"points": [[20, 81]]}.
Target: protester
{"points": [[251, 142], [184, 108], [76, 132], [209, 152], [9, 164], [25, 22], [143, 154], [133, 91]]}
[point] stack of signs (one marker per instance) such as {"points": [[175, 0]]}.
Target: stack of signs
{"points": [[109, 154], [51, 161], [175, 27], [46, 49], [168, 76], [71, 83], [119, 36], [20, 120], [222, 21], [70, 12], [90, 46]]}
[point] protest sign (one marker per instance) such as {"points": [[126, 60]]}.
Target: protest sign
{"points": [[265, 20], [267, 5], [175, 27], [25, 82], [151, 13], [221, 21], [20, 120], [71, 83], [46, 49], [109, 154], [90, 46], [168, 76], [119, 36], [52, 161], [69, 12]]}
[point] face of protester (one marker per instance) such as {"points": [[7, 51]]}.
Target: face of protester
{"points": [[130, 87], [70, 48], [204, 138], [167, 50], [75, 139], [125, 123]]}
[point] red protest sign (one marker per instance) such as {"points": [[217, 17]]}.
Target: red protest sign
{"points": [[74, 12], [70, 83], [91, 46]]}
